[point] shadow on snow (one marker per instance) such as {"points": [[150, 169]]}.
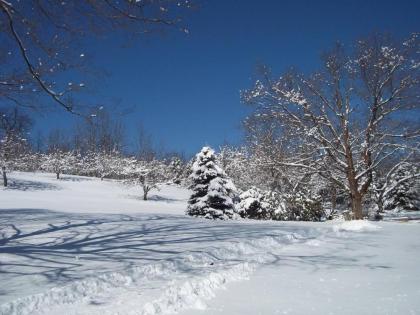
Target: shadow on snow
{"points": [[29, 185], [62, 247]]}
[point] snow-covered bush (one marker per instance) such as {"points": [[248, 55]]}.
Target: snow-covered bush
{"points": [[253, 205], [250, 205], [213, 190], [58, 162], [269, 205], [302, 207]]}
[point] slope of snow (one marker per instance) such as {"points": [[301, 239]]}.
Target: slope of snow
{"points": [[362, 272], [85, 246], [78, 194]]}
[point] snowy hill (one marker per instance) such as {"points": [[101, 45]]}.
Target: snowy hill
{"points": [[78, 194], [85, 246]]}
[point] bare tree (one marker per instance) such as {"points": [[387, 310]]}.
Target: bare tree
{"points": [[58, 140], [14, 126], [351, 116], [41, 39], [103, 131], [146, 174], [145, 146]]}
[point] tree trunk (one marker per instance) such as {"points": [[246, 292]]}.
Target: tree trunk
{"points": [[146, 190], [333, 198], [58, 175], [380, 203], [4, 176], [357, 206]]}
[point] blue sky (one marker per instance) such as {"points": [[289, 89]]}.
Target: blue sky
{"points": [[185, 89]]}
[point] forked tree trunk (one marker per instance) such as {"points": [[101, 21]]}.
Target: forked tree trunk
{"points": [[3, 169]]}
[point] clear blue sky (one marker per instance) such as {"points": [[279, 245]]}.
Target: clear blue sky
{"points": [[184, 89]]}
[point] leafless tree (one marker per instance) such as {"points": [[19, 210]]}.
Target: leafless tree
{"points": [[58, 140], [103, 131], [361, 109], [146, 150], [41, 39], [14, 126]]}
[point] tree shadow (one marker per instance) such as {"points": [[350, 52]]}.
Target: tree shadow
{"points": [[62, 247], [153, 198], [28, 185], [162, 198], [65, 178]]}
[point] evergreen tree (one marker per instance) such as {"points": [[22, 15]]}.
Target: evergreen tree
{"points": [[403, 194], [213, 191], [176, 170]]}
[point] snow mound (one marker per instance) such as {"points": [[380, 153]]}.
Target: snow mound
{"points": [[356, 226], [193, 293]]}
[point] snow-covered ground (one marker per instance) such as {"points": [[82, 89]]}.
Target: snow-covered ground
{"points": [[84, 246]]}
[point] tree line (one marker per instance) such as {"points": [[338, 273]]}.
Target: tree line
{"points": [[251, 180]]}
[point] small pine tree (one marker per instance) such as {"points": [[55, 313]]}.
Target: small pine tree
{"points": [[213, 191], [176, 170]]}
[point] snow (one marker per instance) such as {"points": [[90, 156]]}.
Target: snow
{"points": [[84, 246], [78, 194], [356, 226], [363, 272], [402, 215]]}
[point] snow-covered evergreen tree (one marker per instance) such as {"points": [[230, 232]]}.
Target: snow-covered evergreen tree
{"points": [[213, 190], [176, 169], [403, 194]]}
